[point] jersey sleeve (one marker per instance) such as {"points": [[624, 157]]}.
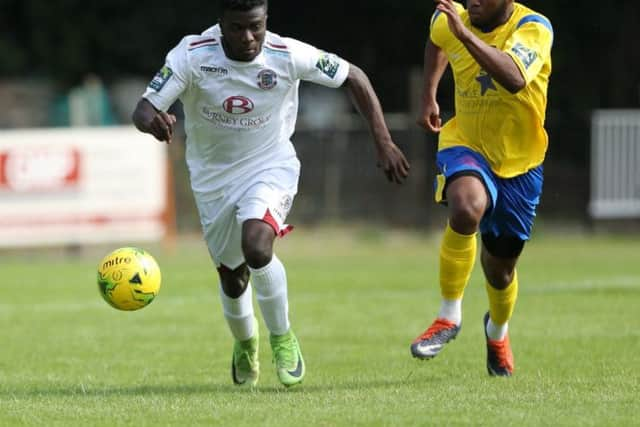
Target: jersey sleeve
{"points": [[530, 45], [172, 79], [439, 31], [317, 66]]}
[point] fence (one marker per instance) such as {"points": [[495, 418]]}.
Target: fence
{"points": [[615, 164]]}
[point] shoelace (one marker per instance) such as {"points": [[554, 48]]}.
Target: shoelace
{"points": [[436, 327]]}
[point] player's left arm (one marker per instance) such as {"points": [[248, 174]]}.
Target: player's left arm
{"points": [[498, 64], [364, 98]]}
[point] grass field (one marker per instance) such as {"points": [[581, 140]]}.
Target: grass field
{"points": [[357, 299]]}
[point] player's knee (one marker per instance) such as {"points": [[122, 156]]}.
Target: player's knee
{"points": [[499, 279], [257, 256], [257, 243], [465, 215], [234, 282]]}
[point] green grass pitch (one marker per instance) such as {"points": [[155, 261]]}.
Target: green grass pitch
{"points": [[357, 299]]}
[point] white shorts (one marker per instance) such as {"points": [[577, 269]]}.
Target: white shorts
{"points": [[267, 196]]}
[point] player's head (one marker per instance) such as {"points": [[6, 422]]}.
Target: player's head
{"points": [[489, 13], [243, 24]]}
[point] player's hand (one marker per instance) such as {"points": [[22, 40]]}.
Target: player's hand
{"points": [[429, 119], [453, 19], [161, 126], [392, 162]]}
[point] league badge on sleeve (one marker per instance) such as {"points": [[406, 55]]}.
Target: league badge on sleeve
{"points": [[526, 55], [328, 63], [161, 78]]}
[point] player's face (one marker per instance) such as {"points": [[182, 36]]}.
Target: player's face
{"points": [[488, 13], [243, 32]]}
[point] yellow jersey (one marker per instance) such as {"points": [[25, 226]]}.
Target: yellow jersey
{"points": [[507, 129]]}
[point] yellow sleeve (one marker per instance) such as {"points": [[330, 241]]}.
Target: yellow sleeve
{"points": [[530, 45], [440, 32]]}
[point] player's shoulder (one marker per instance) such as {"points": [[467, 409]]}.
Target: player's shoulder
{"points": [[198, 42], [440, 19], [276, 45], [441, 35], [526, 16]]}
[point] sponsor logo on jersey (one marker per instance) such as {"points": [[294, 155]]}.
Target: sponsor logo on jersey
{"points": [[215, 70], [161, 78], [526, 55], [328, 63], [229, 121], [267, 79], [238, 105]]}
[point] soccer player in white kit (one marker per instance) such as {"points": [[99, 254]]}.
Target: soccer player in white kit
{"points": [[238, 84]]}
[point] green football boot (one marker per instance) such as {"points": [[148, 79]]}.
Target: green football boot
{"points": [[288, 358], [245, 367]]}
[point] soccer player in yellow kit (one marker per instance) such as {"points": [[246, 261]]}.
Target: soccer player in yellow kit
{"points": [[489, 156]]}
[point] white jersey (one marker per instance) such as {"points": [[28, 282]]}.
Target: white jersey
{"points": [[239, 116]]}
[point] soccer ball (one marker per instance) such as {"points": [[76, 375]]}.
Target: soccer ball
{"points": [[129, 278]]}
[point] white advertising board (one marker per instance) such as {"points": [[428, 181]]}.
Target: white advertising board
{"points": [[81, 185]]}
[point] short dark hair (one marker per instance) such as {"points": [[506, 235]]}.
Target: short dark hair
{"points": [[242, 5]]}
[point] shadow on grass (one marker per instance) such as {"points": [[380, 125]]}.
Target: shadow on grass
{"points": [[196, 389]]}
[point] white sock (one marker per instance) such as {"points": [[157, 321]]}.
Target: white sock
{"points": [[451, 309], [270, 284], [239, 313], [496, 332]]}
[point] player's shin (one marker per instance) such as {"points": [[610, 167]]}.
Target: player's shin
{"points": [[457, 257], [238, 313], [270, 283], [501, 305]]}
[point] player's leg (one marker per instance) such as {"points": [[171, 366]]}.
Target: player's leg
{"points": [[222, 234], [262, 212], [504, 234], [466, 188], [237, 306], [268, 275], [499, 257]]}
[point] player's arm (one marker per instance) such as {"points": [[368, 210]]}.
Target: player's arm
{"points": [[499, 65], [150, 120], [435, 63], [364, 98]]}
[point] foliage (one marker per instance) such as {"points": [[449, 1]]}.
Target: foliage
{"points": [[595, 62]]}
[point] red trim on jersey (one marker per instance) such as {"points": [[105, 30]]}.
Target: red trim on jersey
{"points": [[269, 219], [277, 46], [201, 42]]}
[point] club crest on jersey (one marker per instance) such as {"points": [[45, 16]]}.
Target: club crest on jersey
{"points": [[161, 78], [526, 55], [237, 105], [328, 63], [267, 79]]}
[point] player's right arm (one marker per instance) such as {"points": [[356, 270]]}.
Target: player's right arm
{"points": [[150, 115], [435, 63], [155, 122]]}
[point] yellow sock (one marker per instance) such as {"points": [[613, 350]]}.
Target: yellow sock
{"points": [[457, 257], [502, 302]]}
